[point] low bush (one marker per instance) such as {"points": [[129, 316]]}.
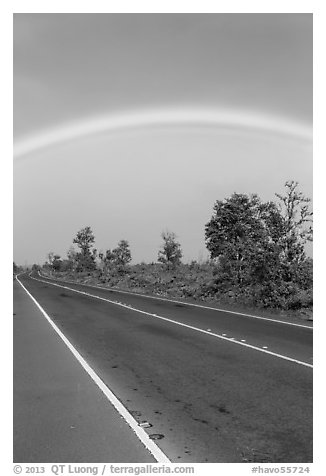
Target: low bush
{"points": [[204, 282]]}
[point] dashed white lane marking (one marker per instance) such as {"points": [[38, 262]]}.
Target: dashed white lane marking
{"points": [[181, 324], [181, 302], [141, 434]]}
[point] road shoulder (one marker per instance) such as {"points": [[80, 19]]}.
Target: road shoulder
{"points": [[60, 415]]}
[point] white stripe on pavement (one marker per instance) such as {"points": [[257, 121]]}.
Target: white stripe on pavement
{"points": [[180, 302], [203, 331], [141, 434]]}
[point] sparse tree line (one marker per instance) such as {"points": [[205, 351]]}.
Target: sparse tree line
{"points": [[88, 259], [257, 256]]}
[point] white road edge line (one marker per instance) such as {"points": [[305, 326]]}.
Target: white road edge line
{"points": [[180, 302], [203, 331], [156, 452]]}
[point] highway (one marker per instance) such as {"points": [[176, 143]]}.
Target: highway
{"points": [[213, 386]]}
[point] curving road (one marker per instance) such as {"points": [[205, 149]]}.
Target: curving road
{"points": [[215, 386]]}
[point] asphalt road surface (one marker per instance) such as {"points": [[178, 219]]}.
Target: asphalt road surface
{"points": [[214, 386]]}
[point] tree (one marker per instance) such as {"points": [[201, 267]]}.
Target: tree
{"points": [[118, 258], [72, 259], [122, 254], [106, 261], [297, 219], [86, 257], [53, 261], [66, 265], [85, 239], [171, 253], [56, 263], [239, 234], [50, 258], [259, 248]]}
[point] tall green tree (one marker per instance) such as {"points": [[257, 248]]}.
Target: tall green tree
{"points": [[260, 247], [170, 253], [86, 257], [238, 234]]}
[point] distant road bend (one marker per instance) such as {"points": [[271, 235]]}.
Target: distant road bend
{"points": [[207, 385]]}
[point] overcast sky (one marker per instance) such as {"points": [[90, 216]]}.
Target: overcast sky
{"points": [[132, 124]]}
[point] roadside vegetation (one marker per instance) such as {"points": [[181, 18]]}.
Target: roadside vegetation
{"points": [[16, 269], [257, 257]]}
